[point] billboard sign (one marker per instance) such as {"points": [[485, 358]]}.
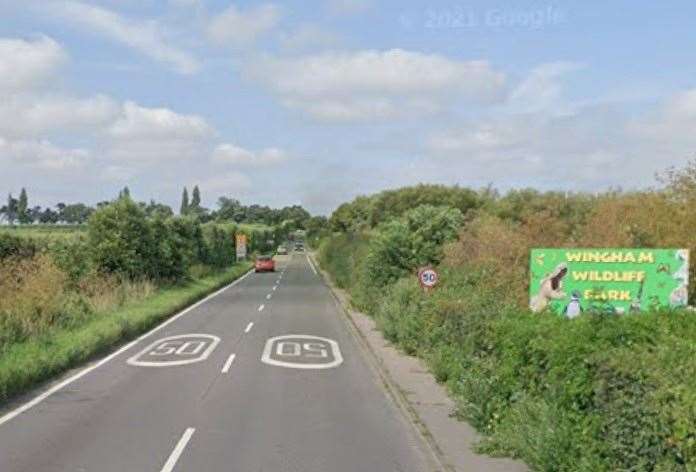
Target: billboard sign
{"points": [[570, 281], [241, 245]]}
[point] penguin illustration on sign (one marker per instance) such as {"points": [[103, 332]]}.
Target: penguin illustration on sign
{"points": [[574, 307]]}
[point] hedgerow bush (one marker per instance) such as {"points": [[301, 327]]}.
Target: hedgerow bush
{"points": [[595, 393], [120, 240], [123, 256], [123, 241]]}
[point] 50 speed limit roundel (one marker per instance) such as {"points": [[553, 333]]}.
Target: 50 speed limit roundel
{"points": [[427, 277]]}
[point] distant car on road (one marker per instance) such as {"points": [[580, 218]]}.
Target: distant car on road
{"points": [[264, 264], [282, 250], [299, 248]]}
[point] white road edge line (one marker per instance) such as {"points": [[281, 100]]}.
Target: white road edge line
{"points": [[262, 307], [178, 450], [228, 363], [248, 328], [311, 265], [39, 398]]}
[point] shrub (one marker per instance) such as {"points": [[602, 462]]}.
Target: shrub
{"points": [[219, 241], [400, 246], [70, 255], [14, 246], [120, 239], [340, 254]]}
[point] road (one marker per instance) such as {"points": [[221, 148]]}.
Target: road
{"points": [[220, 397]]}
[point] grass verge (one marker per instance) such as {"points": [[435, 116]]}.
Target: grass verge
{"points": [[25, 364]]}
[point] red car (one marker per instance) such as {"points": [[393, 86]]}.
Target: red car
{"points": [[264, 264]]}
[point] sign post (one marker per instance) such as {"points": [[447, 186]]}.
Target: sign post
{"points": [[241, 246], [428, 278]]}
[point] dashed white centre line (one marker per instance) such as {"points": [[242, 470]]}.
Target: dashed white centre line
{"points": [[275, 287], [228, 363], [248, 328], [262, 307], [268, 297], [311, 265], [178, 450]]}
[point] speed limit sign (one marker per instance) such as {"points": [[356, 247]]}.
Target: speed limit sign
{"points": [[427, 277]]}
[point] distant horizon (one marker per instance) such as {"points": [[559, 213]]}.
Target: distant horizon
{"points": [[175, 206]]}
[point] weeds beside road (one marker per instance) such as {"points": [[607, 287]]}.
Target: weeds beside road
{"points": [[133, 310], [70, 294]]}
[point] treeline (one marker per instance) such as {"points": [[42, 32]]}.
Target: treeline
{"points": [[19, 211], [594, 393]]}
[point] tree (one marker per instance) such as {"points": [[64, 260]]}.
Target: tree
{"points": [[77, 213], [157, 209], [49, 216], [35, 214], [184, 202], [61, 207], [125, 193], [10, 210], [23, 207], [315, 226], [195, 199], [230, 209], [404, 244], [195, 207]]}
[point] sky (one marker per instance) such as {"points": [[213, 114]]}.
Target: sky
{"points": [[316, 102]]}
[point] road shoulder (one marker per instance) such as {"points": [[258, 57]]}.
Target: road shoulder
{"points": [[424, 401]]}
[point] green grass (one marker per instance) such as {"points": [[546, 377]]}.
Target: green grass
{"points": [[44, 234], [25, 364], [254, 227], [30, 230]]}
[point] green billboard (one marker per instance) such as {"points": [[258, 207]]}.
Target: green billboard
{"points": [[570, 281]]}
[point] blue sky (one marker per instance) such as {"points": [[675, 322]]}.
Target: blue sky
{"points": [[316, 102]]}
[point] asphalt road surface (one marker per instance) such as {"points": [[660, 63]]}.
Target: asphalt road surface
{"points": [[263, 377]]}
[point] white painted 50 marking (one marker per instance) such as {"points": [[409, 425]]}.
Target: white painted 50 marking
{"points": [[176, 350], [302, 351]]}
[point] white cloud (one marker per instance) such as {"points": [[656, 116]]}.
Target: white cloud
{"points": [[592, 148], [116, 173], [156, 124], [34, 115], [232, 183], [147, 37], [542, 88], [673, 125], [31, 118], [236, 27], [42, 155], [24, 64], [377, 84], [485, 136], [144, 137], [235, 155]]}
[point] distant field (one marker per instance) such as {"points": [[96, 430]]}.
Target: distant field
{"points": [[45, 231], [254, 227]]}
